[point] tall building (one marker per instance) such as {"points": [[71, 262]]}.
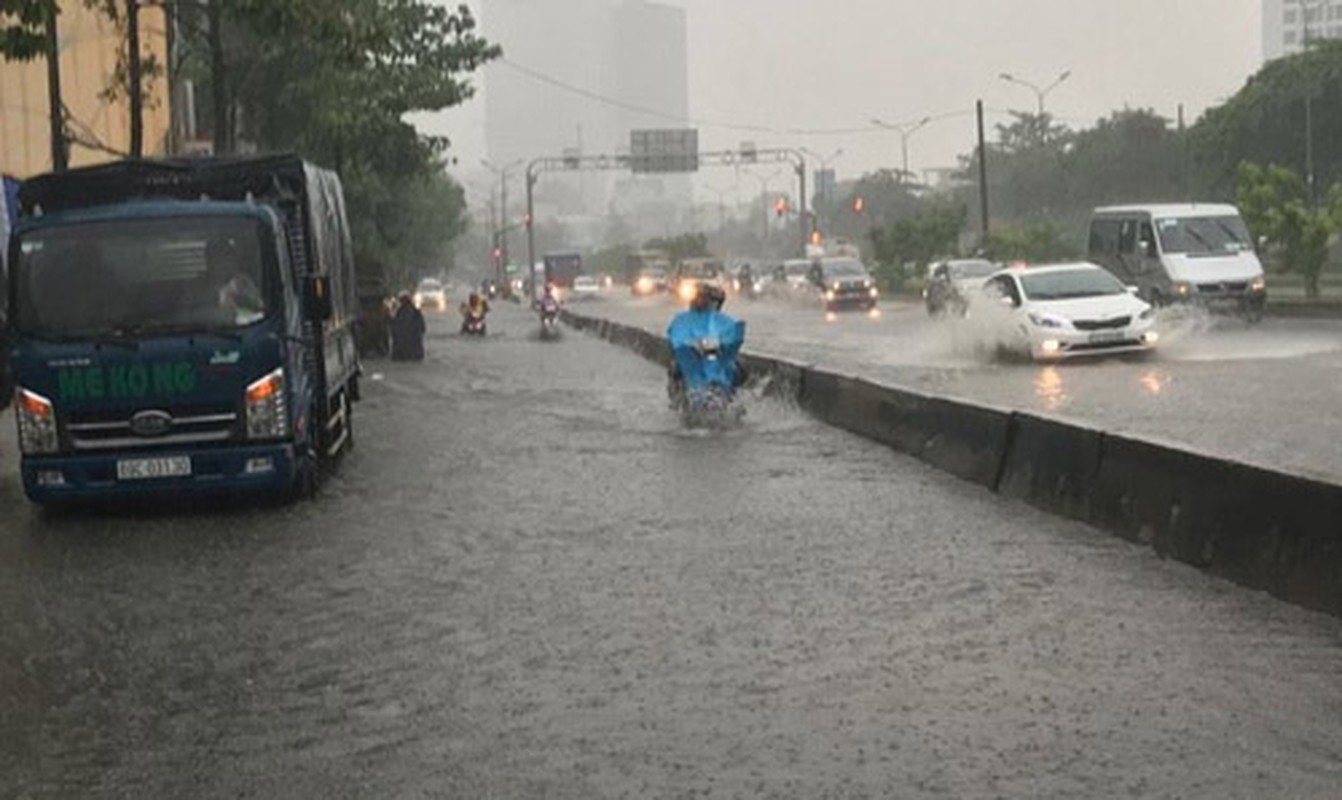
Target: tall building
{"points": [[1288, 24], [615, 53], [98, 128]]}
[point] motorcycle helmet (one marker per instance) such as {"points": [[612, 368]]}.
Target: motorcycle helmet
{"points": [[712, 296]]}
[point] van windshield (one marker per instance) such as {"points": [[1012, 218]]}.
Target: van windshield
{"points": [[128, 277], [1203, 235]]}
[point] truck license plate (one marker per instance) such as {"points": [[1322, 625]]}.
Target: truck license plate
{"points": [[139, 469], [1106, 337]]}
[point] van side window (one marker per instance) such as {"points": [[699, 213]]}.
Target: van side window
{"points": [[1148, 236], [1103, 237], [1127, 237]]}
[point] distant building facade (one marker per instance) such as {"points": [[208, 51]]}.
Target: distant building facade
{"points": [[631, 52], [98, 128], [1288, 24]]}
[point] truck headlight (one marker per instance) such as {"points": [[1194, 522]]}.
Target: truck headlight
{"points": [[37, 423], [267, 416]]}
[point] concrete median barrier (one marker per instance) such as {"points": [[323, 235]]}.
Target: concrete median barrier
{"points": [[1264, 529], [965, 440]]}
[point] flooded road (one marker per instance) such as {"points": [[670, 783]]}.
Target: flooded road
{"points": [[1266, 394], [528, 581]]}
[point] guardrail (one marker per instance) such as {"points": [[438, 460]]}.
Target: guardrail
{"points": [[1261, 528]]}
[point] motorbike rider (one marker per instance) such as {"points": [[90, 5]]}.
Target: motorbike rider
{"points": [[475, 307], [707, 299]]}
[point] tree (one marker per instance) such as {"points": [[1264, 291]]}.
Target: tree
{"points": [[914, 241], [1265, 121], [1034, 242], [1275, 203]]}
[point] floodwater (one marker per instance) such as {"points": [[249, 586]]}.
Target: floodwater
{"points": [[1266, 394], [528, 581]]}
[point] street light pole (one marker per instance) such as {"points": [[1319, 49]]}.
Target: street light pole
{"points": [[502, 243], [1039, 93], [906, 132]]}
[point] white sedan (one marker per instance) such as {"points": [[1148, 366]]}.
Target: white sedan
{"points": [[1067, 310], [585, 287]]}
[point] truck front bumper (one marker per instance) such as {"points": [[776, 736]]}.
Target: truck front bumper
{"points": [[253, 468]]}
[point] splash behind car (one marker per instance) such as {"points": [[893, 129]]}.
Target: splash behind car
{"points": [[952, 283], [1067, 310]]}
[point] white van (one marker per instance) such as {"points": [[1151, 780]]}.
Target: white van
{"points": [[1200, 253]]}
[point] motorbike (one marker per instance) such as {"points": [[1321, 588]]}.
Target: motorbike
{"points": [[473, 323], [705, 374]]}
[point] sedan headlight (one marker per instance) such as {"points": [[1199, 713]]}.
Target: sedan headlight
{"points": [[1047, 320], [37, 423], [1258, 284], [267, 416], [1183, 288]]}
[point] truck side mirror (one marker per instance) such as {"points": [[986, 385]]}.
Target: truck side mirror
{"points": [[319, 291]]}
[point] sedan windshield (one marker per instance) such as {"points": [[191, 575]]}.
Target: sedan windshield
{"points": [[844, 269], [1070, 284], [1203, 235], [137, 276]]}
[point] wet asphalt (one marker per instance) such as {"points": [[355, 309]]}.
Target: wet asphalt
{"points": [[1266, 394], [528, 581]]}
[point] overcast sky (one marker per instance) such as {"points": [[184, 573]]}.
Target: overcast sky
{"points": [[827, 64]]}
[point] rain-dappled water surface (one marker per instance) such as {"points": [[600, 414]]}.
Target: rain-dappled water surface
{"points": [[1267, 394], [529, 581]]}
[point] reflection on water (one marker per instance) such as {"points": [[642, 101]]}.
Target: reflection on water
{"points": [[1049, 388], [1154, 381]]}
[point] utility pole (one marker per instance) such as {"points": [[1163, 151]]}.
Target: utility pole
{"points": [[223, 139], [134, 70], [983, 174], [59, 154]]}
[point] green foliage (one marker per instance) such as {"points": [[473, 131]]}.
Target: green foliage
{"points": [[610, 260], [23, 28], [332, 80], [1035, 242], [907, 245], [1274, 201], [1040, 172], [679, 248], [1265, 121]]}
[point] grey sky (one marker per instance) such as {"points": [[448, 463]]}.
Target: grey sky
{"points": [[821, 64]]}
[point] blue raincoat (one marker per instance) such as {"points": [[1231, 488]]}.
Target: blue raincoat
{"points": [[685, 333]]}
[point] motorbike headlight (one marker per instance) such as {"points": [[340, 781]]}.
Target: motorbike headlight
{"points": [[874, 292], [837, 286], [1258, 284], [1047, 320], [267, 416], [37, 423], [829, 295]]}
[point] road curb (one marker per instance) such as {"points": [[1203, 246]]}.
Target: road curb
{"points": [[1261, 528]]}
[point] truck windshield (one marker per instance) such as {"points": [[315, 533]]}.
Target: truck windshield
{"points": [[141, 276], [1203, 235]]}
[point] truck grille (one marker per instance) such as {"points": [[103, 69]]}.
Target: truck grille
{"points": [[175, 428], [1101, 324]]}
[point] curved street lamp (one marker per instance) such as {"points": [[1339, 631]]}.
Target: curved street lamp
{"points": [[905, 131], [1039, 93]]}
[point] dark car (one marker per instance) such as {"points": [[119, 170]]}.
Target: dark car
{"points": [[951, 283], [844, 284]]}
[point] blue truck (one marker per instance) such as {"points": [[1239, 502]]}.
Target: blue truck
{"points": [[182, 326]]}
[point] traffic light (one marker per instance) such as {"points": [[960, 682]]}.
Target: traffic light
{"points": [[859, 204], [780, 207]]}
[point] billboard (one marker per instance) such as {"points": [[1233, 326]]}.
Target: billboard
{"points": [[663, 151]]}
